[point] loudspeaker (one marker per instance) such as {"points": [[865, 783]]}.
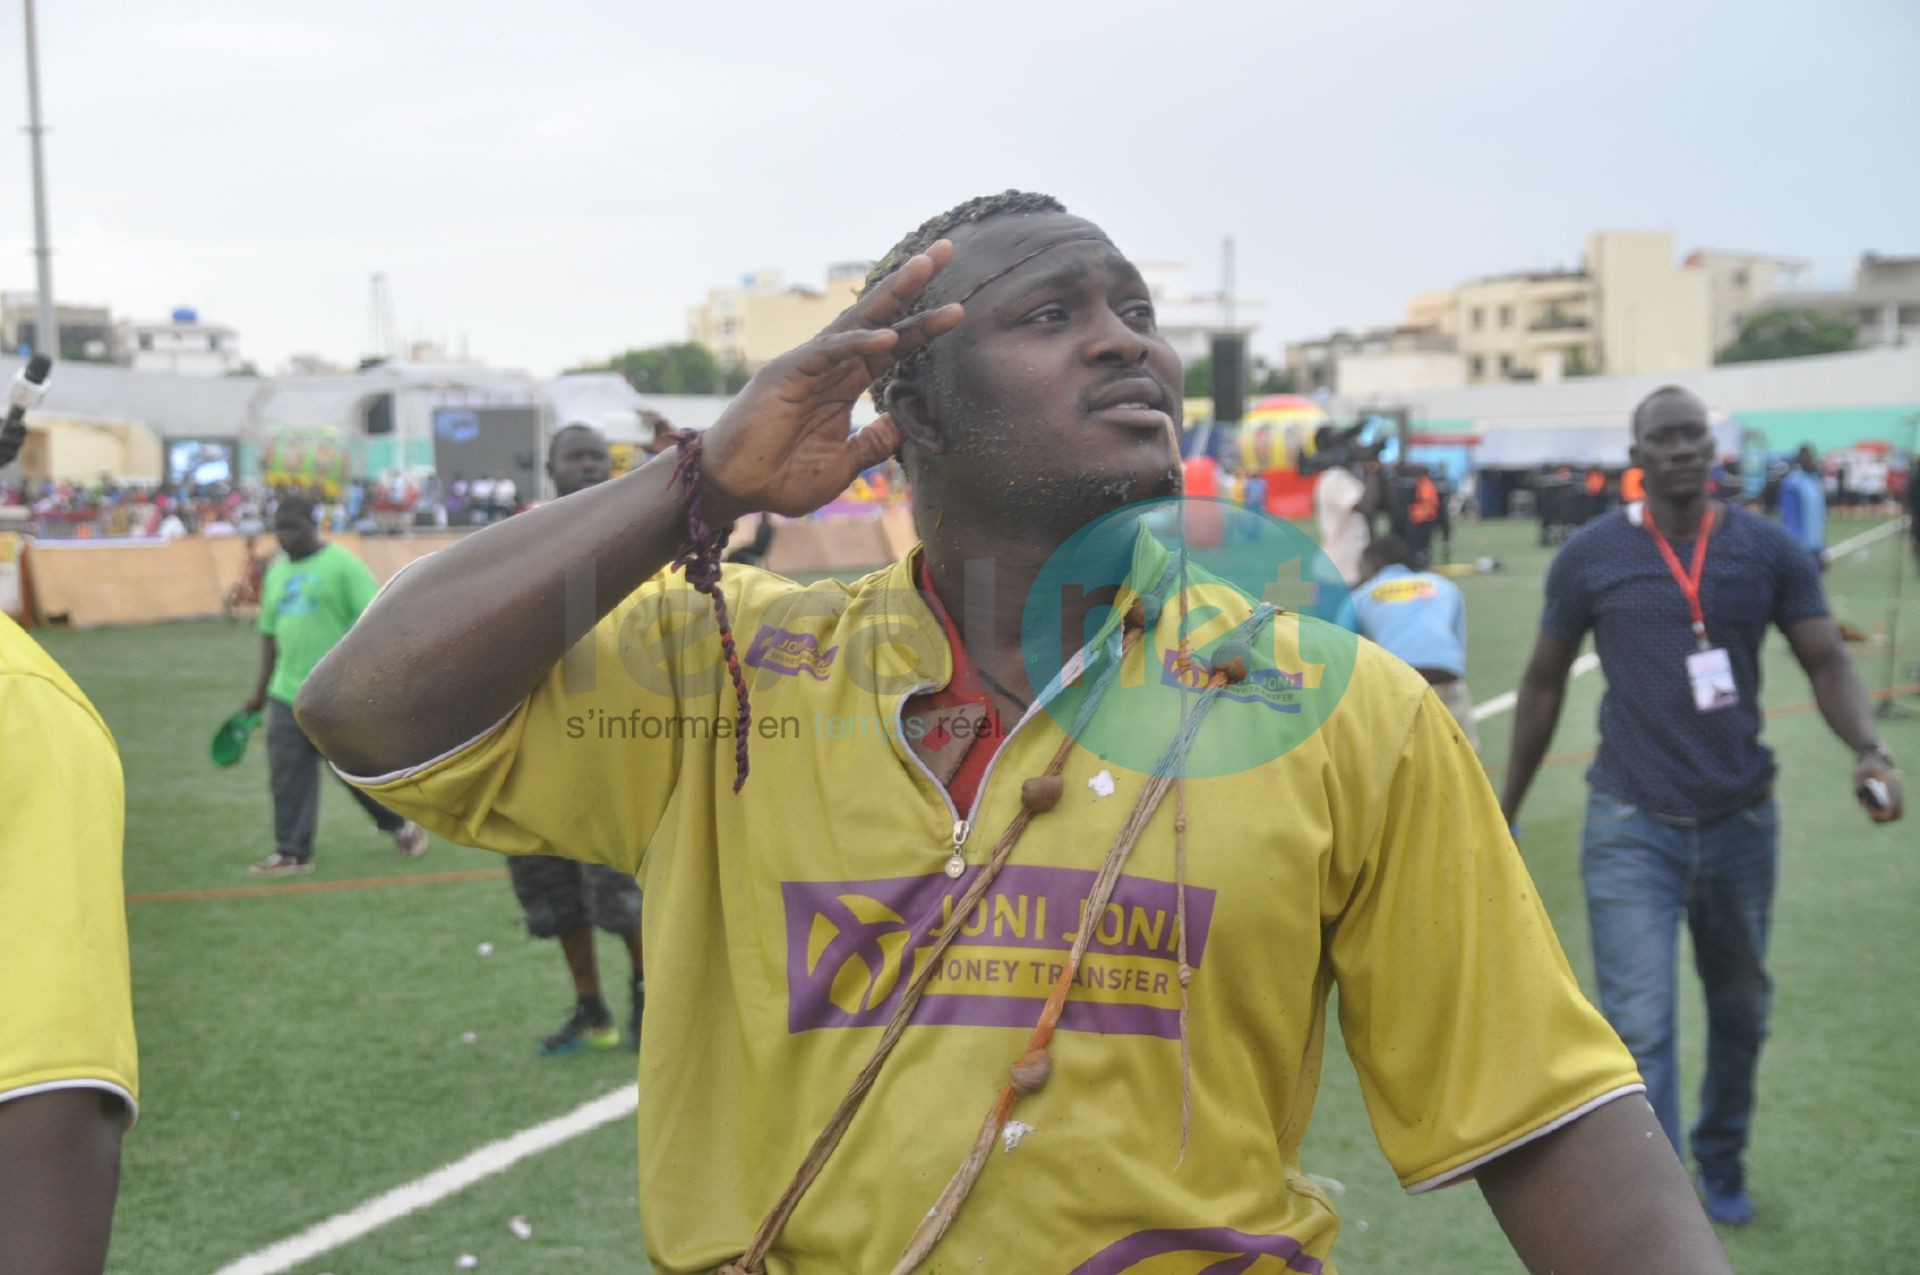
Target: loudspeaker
{"points": [[378, 417], [1229, 378]]}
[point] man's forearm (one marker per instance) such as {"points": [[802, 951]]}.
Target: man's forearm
{"points": [[1534, 719], [1604, 1195], [269, 656], [1842, 698], [465, 634]]}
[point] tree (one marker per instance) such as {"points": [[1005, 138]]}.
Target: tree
{"points": [[1790, 334], [685, 368], [1263, 378], [1269, 379], [1200, 378]]}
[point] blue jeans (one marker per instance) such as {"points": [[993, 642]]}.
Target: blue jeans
{"points": [[1642, 874]]}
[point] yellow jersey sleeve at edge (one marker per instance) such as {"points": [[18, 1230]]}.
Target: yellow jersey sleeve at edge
{"points": [[1462, 1016], [66, 1006]]}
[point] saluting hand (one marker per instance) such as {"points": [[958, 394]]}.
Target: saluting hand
{"points": [[785, 444]]}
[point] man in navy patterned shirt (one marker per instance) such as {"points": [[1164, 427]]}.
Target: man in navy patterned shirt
{"points": [[1679, 591]]}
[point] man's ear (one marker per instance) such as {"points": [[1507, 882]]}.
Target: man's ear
{"points": [[908, 406]]}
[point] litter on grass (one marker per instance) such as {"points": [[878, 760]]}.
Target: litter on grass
{"points": [[485, 949], [518, 1225]]}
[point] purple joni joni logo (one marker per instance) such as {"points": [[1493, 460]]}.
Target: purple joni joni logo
{"points": [[853, 946], [790, 654]]}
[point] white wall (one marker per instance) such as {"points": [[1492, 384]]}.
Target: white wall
{"points": [[1864, 378], [1364, 376], [186, 361]]}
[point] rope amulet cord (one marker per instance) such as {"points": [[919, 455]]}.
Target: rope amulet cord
{"points": [[699, 559], [1032, 1070], [1183, 664], [1037, 796], [1035, 1066]]}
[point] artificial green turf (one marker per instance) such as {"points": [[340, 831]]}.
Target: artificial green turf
{"points": [[301, 1054]]}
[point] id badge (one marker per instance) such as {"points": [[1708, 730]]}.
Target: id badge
{"points": [[1712, 676]]}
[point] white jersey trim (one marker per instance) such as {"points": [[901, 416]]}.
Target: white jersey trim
{"points": [[407, 772], [1452, 1176], [78, 1082]]}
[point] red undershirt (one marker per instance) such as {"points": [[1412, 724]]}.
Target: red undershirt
{"points": [[965, 687]]}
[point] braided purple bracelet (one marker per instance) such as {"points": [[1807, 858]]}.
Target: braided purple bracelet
{"points": [[699, 559]]}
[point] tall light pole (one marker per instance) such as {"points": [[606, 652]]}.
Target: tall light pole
{"points": [[46, 333], [1226, 283]]}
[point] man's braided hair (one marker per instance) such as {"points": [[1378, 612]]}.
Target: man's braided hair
{"points": [[930, 232]]}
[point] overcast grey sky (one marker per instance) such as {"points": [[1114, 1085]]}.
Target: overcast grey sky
{"points": [[558, 182]]}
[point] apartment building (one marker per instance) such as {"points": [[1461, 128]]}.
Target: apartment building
{"points": [[763, 316], [1630, 307], [1884, 301]]}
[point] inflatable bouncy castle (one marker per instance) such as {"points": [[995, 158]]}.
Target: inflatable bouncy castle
{"points": [[1276, 439]]}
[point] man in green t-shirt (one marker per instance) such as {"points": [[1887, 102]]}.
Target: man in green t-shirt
{"points": [[310, 598]]}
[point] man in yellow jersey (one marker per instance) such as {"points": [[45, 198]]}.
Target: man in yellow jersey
{"points": [[546, 687], [69, 1075]]}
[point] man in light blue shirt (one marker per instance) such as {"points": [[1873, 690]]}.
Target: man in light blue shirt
{"points": [[1803, 503], [1420, 617]]}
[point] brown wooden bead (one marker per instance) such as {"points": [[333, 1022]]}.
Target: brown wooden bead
{"points": [[1030, 1074], [1236, 670], [1137, 614], [1041, 793]]}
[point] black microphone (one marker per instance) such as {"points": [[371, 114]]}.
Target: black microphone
{"points": [[28, 388]]}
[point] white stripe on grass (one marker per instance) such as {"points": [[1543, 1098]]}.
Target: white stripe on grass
{"points": [[344, 1228], [1505, 700], [1864, 539], [370, 1215]]}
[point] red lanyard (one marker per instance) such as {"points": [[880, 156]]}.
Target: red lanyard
{"points": [[1689, 581]]}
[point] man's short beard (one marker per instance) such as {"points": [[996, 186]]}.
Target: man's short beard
{"points": [[1045, 510], [1071, 501]]}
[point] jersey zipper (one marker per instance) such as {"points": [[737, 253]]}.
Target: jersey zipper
{"points": [[956, 864]]}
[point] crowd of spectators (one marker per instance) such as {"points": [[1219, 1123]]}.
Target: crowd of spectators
{"points": [[390, 504], [110, 507]]}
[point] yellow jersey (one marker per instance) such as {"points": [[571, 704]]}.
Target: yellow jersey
{"points": [[66, 1006], [782, 925]]}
